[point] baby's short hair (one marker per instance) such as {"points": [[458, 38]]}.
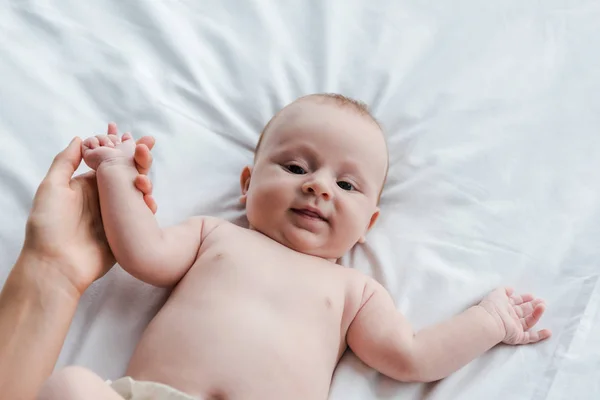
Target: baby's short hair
{"points": [[340, 99], [344, 101]]}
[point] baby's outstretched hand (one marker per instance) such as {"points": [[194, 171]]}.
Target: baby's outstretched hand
{"points": [[516, 315]]}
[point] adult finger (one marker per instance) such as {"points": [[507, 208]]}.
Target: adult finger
{"points": [[151, 203], [143, 184], [149, 141], [143, 158], [65, 163]]}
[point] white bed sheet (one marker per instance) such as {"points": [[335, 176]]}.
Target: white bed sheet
{"points": [[491, 109]]}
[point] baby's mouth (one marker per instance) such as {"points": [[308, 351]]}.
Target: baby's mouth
{"points": [[309, 214]]}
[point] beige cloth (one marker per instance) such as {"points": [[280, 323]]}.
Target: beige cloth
{"points": [[131, 389]]}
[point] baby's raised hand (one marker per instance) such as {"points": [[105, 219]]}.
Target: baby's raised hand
{"points": [[516, 315], [108, 149]]}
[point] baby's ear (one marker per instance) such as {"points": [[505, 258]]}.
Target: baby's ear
{"points": [[245, 182], [374, 217]]}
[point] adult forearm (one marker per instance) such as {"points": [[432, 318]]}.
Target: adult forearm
{"points": [[37, 305], [442, 349]]}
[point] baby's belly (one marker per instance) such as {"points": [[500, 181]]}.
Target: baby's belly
{"points": [[228, 347]]}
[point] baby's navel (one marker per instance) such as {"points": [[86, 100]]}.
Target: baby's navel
{"points": [[216, 395]]}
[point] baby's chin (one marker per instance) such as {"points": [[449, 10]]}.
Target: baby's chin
{"points": [[304, 242]]}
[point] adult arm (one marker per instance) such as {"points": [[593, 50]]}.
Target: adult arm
{"points": [[65, 250]]}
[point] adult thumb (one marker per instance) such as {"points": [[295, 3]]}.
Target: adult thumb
{"points": [[65, 163]]}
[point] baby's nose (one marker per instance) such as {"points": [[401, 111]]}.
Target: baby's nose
{"points": [[318, 188]]}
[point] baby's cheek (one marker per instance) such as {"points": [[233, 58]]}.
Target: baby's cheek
{"points": [[357, 222], [262, 202], [253, 209]]}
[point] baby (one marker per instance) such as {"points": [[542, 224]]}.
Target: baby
{"points": [[265, 312]]}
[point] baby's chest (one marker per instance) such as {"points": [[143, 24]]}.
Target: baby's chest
{"points": [[282, 280]]}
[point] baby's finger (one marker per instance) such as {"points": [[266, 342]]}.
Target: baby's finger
{"points": [[527, 308], [534, 337], [532, 319], [104, 141], [530, 337], [143, 184], [520, 311], [527, 297], [543, 334], [114, 139], [520, 299], [143, 158], [112, 129], [126, 136], [91, 143]]}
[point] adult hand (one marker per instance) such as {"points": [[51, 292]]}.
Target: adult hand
{"points": [[64, 230]]}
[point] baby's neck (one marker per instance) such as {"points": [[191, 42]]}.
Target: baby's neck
{"points": [[333, 260]]}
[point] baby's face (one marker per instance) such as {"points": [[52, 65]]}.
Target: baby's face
{"points": [[316, 179]]}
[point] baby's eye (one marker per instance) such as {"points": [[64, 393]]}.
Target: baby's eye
{"points": [[295, 169], [345, 185]]}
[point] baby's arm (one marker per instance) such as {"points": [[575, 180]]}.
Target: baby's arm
{"points": [[157, 256], [381, 337]]}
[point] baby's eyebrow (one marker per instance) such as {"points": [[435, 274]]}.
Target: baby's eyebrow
{"points": [[305, 149], [353, 169]]}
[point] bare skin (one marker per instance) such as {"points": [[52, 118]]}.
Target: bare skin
{"points": [[263, 313], [257, 301], [65, 250]]}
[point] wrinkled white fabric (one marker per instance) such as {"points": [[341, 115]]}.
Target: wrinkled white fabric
{"points": [[491, 110]]}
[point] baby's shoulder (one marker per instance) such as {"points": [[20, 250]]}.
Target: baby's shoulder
{"points": [[207, 225], [219, 230], [358, 287]]}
